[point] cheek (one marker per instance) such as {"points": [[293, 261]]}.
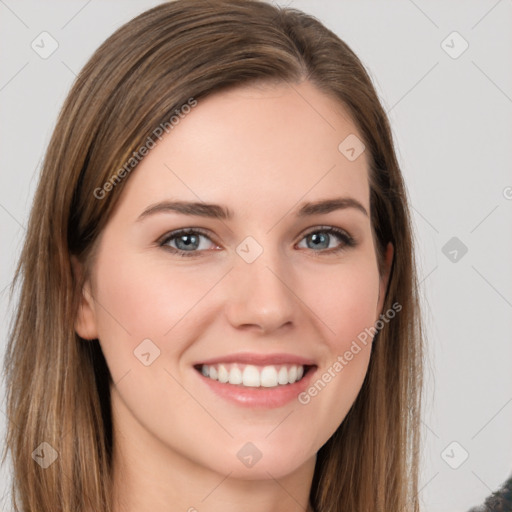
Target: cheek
{"points": [[143, 297], [344, 299], [138, 298], [144, 300]]}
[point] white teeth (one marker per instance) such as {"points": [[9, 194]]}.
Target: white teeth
{"points": [[254, 376], [251, 376], [223, 374], [235, 376], [282, 378], [269, 377]]}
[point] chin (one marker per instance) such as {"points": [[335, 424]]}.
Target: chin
{"points": [[266, 468]]}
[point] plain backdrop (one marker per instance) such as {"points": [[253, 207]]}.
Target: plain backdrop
{"points": [[443, 71]]}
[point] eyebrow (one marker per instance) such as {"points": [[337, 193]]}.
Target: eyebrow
{"points": [[216, 211]]}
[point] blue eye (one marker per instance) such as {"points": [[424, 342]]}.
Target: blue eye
{"points": [[319, 241], [188, 241]]}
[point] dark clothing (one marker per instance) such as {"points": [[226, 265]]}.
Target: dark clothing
{"points": [[499, 501]]}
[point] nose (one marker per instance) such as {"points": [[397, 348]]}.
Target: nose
{"points": [[260, 295]]}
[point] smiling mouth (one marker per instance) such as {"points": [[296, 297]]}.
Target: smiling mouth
{"points": [[254, 376]]}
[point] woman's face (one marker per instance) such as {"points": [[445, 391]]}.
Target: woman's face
{"points": [[263, 296]]}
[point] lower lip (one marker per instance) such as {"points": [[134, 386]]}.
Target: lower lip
{"points": [[266, 398]]}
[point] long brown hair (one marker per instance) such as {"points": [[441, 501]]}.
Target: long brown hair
{"points": [[58, 384]]}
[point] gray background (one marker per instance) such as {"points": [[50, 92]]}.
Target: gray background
{"points": [[451, 119]]}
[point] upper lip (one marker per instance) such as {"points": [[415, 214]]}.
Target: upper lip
{"points": [[259, 359]]}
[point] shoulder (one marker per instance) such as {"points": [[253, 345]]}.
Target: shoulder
{"points": [[499, 501]]}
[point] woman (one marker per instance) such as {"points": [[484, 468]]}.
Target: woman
{"points": [[184, 340]]}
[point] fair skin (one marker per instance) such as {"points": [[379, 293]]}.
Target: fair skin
{"points": [[262, 151]]}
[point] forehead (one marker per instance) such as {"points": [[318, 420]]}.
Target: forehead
{"points": [[256, 146]]}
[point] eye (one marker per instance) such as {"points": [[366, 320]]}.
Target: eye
{"points": [[320, 238], [188, 241]]}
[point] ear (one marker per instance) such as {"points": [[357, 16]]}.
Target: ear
{"points": [[85, 321], [384, 279]]}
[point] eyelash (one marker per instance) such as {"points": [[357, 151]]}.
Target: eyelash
{"points": [[348, 241]]}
